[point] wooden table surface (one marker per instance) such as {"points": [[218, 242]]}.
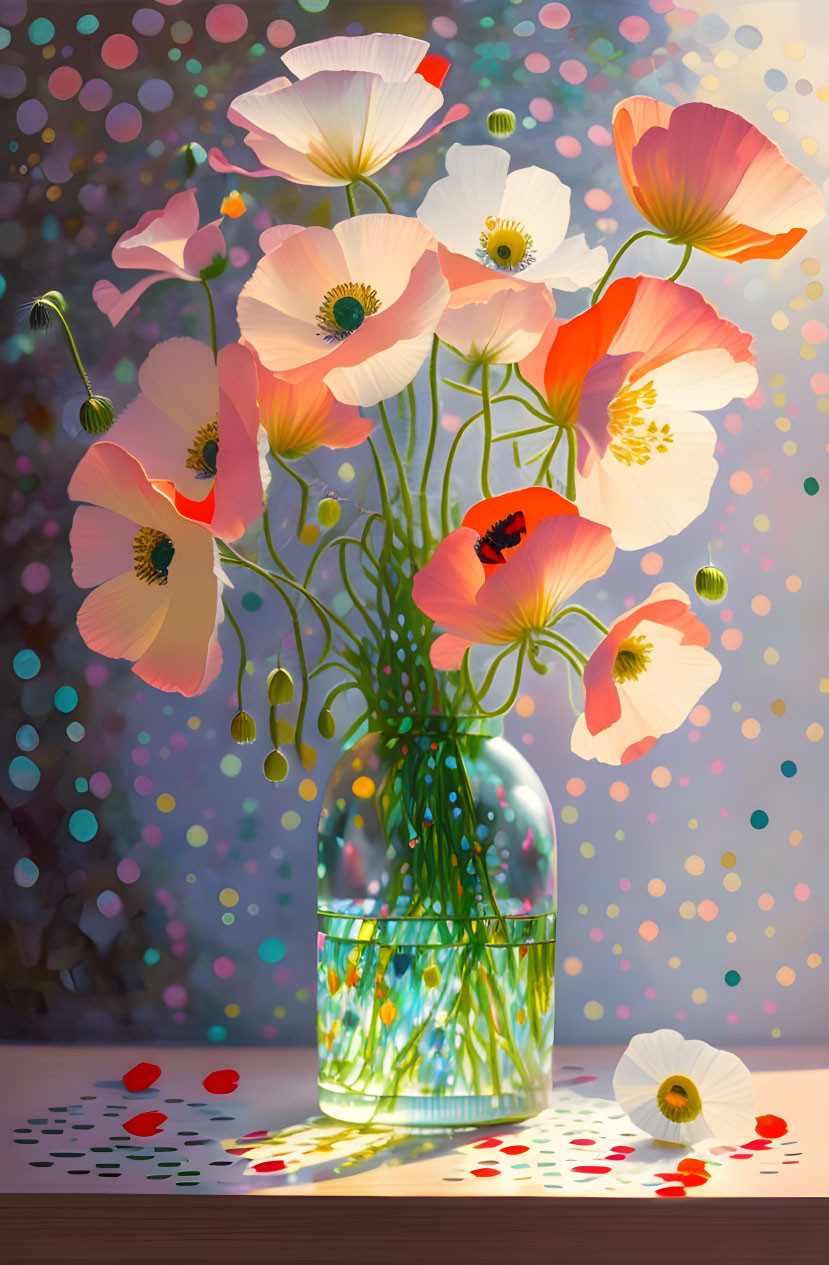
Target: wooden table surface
{"points": [[578, 1179]]}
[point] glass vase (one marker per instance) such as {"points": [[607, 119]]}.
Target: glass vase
{"points": [[437, 914]]}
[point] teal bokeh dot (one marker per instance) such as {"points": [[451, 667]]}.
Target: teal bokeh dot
{"points": [[788, 768], [732, 978], [81, 785], [66, 699], [26, 873], [41, 31], [87, 25], [83, 825], [251, 602], [272, 951], [151, 956], [811, 486], [26, 664], [24, 773], [27, 738], [75, 731], [759, 819], [216, 1033]]}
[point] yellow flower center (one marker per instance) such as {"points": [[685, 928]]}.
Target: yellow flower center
{"points": [[345, 307], [505, 244], [632, 658], [201, 456], [634, 439], [153, 553], [679, 1099]]}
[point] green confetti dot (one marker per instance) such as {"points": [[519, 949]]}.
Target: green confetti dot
{"points": [[811, 486], [732, 978], [230, 765], [87, 25], [197, 836], [125, 371]]}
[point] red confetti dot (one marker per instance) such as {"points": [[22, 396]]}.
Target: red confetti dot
{"points": [[624, 1150], [514, 1150], [488, 1142], [221, 1082], [671, 1192], [591, 1168], [270, 1166], [486, 1172], [756, 1144], [142, 1076], [771, 1126], [583, 1142], [145, 1125]]}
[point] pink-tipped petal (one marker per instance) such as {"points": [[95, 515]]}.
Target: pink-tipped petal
{"points": [[114, 303], [122, 617], [159, 238], [101, 544], [447, 652], [203, 247], [219, 163]]}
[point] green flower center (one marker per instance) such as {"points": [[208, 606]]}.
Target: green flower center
{"points": [[153, 552], [345, 307], [201, 456], [632, 658], [679, 1099], [348, 313]]}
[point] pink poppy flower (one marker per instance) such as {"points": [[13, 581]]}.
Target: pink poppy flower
{"points": [[301, 416], [710, 179], [355, 306], [504, 572], [356, 102], [643, 678], [155, 577], [504, 229], [501, 329], [168, 243], [627, 374], [195, 429]]}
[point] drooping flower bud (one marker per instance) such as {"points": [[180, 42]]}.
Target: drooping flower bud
{"points": [[97, 414], [243, 728], [328, 512], [500, 122], [275, 766], [280, 687], [710, 584], [325, 724]]}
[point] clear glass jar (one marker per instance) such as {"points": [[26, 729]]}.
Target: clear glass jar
{"points": [[436, 903]]}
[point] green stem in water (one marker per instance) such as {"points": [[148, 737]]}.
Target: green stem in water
{"points": [[685, 260], [425, 524], [401, 473], [570, 492], [211, 309], [304, 491], [381, 195], [513, 694], [243, 654], [487, 411], [352, 205], [493, 668], [644, 232], [72, 348]]}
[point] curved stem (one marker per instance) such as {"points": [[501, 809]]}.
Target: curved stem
{"points": [[266, 531], [568, 645], [564, 654], [304, 491], [72, 348], [493, 668], [542, 401], [487, 411], [213, 340], [352, 205], [468, 684], [410, 449], [381, 195], [339, 688], [548, 459], [388, 518], [444, 496], [571, 464], [519, 434], [545, 417], [585, 614], [300, 649], [685, 260], [425, 524], [461, 386], [401, 473], [644, 232], [243, 654], [513, 694], [352, 593]]}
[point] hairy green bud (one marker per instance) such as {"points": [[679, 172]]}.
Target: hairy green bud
{"points": [[97, 414]]}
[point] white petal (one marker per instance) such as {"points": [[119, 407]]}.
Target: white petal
{"points": [[540, 203], [649, 1058], [571, 266], [456, 207], [381, 251], [382, 375], [393, 57], [703, 380]]}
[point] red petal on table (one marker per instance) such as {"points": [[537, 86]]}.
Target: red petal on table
{"points": [[590, 1168], [687, 1179], [239, 1150], [582, 1141], [145, 1125], [756, 1144], [486, 1172], [615, 1157], [771, 1126], [742, 1155], [624, 1150], [692, 1165], [514, 1150], [488, 1142], [270, 1166], [671, 1192], [225, 1081], [142, 1076]]}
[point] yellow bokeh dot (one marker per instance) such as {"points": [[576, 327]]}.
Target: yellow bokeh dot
{"points": [[572, 966], [786, 976], [781, 115], [777, 379], [761, 522], [698, 996], [582, 909], [775, 1032], [771, 656], [587, 850], [613, 911], [790, 448], [309, 534], [694, 864], [778, 707], [525, 705], [783, 423], [307, 789], [780, 320], [593, 1010], [731, 937], [796, 837], [617, 949], [674, 963], [814, 290], [794, 583], [809, 145], [769, 932], [824, 685], [709, 83], [814, 732], [279, 1012], [732, 882], [779, 399], [729, 860], [693, 824], [814, 959], [193, 722], [232, 1010], [810, 267], [363, 787], [228, 897], [569, 814], [687, 909], [656, 887], [807, 351], [197, 836], [725, 59], [165, 803], [736, 707]]}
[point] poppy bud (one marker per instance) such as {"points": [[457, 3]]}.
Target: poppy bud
{"points": [[710, 584], [97, 414], [275, 766], [328, 512], [500, 122], [243, 728], [280, 687], [325, 724]]}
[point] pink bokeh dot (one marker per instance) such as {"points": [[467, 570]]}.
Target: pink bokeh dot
{"points": [[174, 996], [596, 934], [541, 109], [119, 51], [814, 332], [141, 757], [624, 965], [568, 146], [652, 563], [770, 1007], [684, 781], [226, 23], [143, 786], [537, 63], [707, 910], [651, 994], [623, 1012], [96, 674], [802, 891], [100, 785], [717, 767], [554, 16], [179, 949], [652, 818], [819, 382], [35, 577], [624, 884], [597, 200], [765, 901], [732, 1017], [280, 34], [152, 836], [599, 135], [618, 791], [634, 29], [65, 82], [766, 564], [176, 929], [732, 639], [733, 423], [128, 870], [573, 71], [575, 786], [445, 27], [123, 123], [223, 967], [680, 1015]]}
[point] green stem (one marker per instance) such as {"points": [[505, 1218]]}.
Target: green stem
{"points": [[644, 232], [425, 524], [585, 614], [300, 649], [401, 472], [243, 654], [685, 259], [493, 668], [574, 664], [447, 474], [410, 450], [381, 195], [548, 459], [72, 348], [568, 645], [571, 463], [352, 593], [545, 417], [352, 205], [513, 694], [487, 449], [304, 491], [518, 434], [541, 399], [266, 531], [461, 386], [213, 340], [388, 518], [339, 688]]}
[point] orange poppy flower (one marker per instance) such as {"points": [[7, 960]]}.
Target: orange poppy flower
{"points": [[506, 569], [709, 178]]}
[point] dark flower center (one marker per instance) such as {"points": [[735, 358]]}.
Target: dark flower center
{"points": [[505, 534], [153, 552]]}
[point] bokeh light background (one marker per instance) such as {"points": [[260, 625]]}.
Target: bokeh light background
{"points": [[153, 884]]}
